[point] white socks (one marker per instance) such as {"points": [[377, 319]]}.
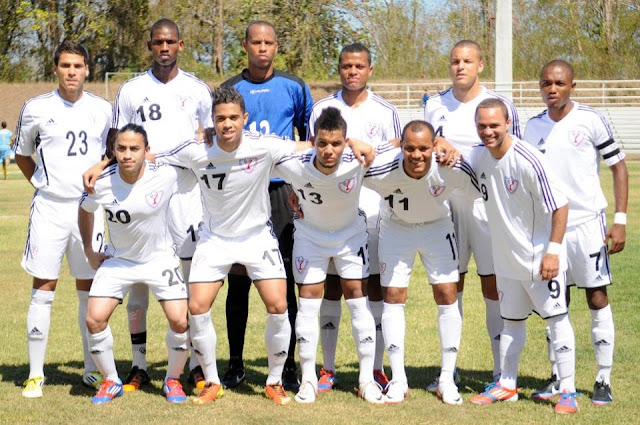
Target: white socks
{"points": [[376, 308], [363, 329], [137, 311], [494, 328], [307, 334], [83, 300], [178, 347], [277, 337], [38, 322], [564, 345], [330, 313], [603, 336], [514, 334], [101, 347], [450, 330], [393, 328], [203, 339]]}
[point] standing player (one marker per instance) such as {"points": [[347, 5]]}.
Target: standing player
{"points": [[452, 115], [65, 131], [527, 217], [170, 105], [135, 196], [372, 119], [6, 138], [279, 104], [415, 219], [568, 129]]}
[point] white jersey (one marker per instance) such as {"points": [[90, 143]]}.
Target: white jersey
{"points": [[329, 202], [234, 185], [573, 147], [66, 138], [170, 113], [520, 192], [136, 213], [456, 121], [416, 201], [373, 121]]}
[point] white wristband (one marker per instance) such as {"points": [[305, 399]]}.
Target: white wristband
{"points": [[620, 218], [554, 248]]}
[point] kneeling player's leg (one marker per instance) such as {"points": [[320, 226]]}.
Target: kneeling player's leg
{"points": [[203, 334], [393, 328], [449, 328], [99, 335], [307, 332], [177, 336], [137, 307], [330, 315], [363, 327], [38, 322]]}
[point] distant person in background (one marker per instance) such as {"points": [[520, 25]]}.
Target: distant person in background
{"points": [[6, 138]]}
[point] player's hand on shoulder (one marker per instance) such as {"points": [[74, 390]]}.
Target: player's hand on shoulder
{"points": [[549, 266], [294, 204], [617, 235], [206, 136], [447, 154], [363, 151], [90, 176]]}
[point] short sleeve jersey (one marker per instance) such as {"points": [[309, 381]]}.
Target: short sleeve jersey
{"points": [[574, 146], [5, 137], [417, 201], [234, 185], [169, 112], [520, 192], [277, 105], [136, 213], [456, 121], [66, 138]]}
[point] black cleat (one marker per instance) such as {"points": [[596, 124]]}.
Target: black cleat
{"points": [[196, 377], [290, 380], [601, 394], [234, 375]]}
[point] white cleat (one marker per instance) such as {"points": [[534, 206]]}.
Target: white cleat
{"points": [[371, 392], [396, 392], [448, 393], [306, 394], [92, 379]]}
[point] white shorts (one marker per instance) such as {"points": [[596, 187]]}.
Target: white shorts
{"points": [[162, 275], [311, 260], [472, 230], [53, 232], [184, 217], [587, 255], [370, 203], [258, 252], [434, 242], [518, 299]]}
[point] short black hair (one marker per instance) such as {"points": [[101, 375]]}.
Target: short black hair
{"points": [[4, 124], [468, 43], [561, 63], [135, 128], [416, 126], [355, 48], [330, 119], [491, 103], [68, 45], [228, 95], [260, 23], [164, 23]]}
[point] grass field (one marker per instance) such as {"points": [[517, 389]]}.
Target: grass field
{"points": [[67, 401]]}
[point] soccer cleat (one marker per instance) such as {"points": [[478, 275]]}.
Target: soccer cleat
{"points": [[32, 387], [567, 404], [371, 392], [277, 393], [172, 390], [135, 379], [306, 394], [210, 392], [234, 374], [92, 379], [380, 377], [290, 380], [108, 391], [433, 387], [196, 377], [551, 389], [448, 393], [495, 392], [601, 394], [327, 380], [396, 392]]}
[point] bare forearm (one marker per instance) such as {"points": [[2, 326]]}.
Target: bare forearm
{"points": [[559, 224], [620, 185], [85, 224], [27, 165]]}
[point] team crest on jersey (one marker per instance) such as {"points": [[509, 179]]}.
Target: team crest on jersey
{"points": [[183, 101], [576, 137], [33, 250], [436, 190], [301, 264], [511, 184], [373, 128], [248, 164], [383, 267], [347, 185], [154, 198]]}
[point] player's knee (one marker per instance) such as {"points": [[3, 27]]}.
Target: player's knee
{"points": [[278, 307], [95, 325], [445, 293], [597, 298], [197, 306], [178, 324]]}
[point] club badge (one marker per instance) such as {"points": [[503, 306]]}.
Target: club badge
{"points": [[154, 198], [436, 190], [347, 185], [511, 184]]}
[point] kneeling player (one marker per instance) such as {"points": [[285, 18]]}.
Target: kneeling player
{"points": [[135, 195]]}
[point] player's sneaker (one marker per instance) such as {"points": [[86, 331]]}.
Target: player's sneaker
{"points": [[396, 392], [306, 393], [277, 393], [551, 389], [448, 393], [601, 394], [210, 392], [172, 390], [234, 374], [371, 392], [290, 380], [108, 391], [135, 379], [381, 378], [196, 377], [32, 387], [567, 404], [92, 379], [433, 387], [327, 380], [495, 392]]}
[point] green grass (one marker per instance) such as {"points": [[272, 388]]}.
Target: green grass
{"points": [[67, 401]]}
